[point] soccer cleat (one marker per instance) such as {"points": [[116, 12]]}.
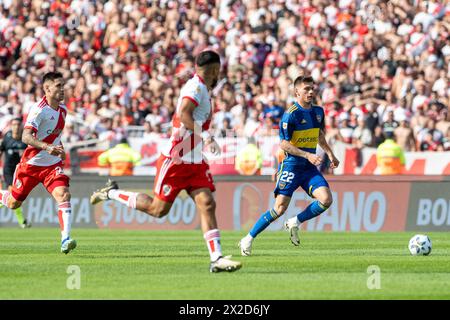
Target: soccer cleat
{"points": [[100, 195], [292, 228], [25, 224], [224, 264], [246, 247], [68, 245]]}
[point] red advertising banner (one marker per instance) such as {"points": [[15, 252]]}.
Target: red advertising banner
{"points": [[370, 206]]}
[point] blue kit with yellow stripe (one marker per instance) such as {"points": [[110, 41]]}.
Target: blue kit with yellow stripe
{"points": [[301, 127]]}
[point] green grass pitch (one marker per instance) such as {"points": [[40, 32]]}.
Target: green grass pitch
{"points": [[118, 264]]}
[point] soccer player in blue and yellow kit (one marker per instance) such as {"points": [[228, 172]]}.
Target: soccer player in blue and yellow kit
{"points": [[301, 129]]}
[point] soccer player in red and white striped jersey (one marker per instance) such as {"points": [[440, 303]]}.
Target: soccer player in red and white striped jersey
{"points": [[42, 160], [182, 164]]}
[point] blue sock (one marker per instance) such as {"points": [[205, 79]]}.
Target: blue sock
{"points": [[263, 222], [312, 211]]}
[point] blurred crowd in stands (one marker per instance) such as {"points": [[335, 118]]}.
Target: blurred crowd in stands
{"points": [[379, 66]]}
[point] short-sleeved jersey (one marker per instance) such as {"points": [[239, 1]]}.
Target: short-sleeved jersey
{"points": [[301, 127], [12, 150], [182, 141], [48, 124]]}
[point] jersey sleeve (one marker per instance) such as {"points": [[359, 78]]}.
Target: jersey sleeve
{"points": [[321, 114], [34, 119], [192, 92], [287, 126]]}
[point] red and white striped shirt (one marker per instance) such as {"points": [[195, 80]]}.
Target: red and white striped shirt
{"points": [[48, 124], [183, 144]]}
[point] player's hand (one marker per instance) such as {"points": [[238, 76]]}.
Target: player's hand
{"points": [[334, 162], [314, 159], [55, 150], [213, 146]]}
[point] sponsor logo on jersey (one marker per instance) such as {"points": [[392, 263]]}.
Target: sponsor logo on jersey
{"points": [[18, 184], [305, 138], [303, 121], [285, 125]]}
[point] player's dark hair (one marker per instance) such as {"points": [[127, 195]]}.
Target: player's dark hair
{"points": [[303, 79], [51, 76], [207, 57], [16, 119]]}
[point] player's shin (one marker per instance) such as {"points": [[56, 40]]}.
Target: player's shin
{"points": [[126, 197], [212, 238], [263, 222], [19, 215], [64, 215], [312, 211]]}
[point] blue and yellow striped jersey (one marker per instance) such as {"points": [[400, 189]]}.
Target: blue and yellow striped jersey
{"points": [[301, 127]]}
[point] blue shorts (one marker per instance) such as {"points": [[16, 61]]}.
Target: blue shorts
{"points": [[291, 176]]}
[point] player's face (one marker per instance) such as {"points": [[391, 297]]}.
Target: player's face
{"points": [[55, 89], [16, 127], [305, 91]]}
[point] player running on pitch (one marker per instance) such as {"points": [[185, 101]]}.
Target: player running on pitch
{"points": [[182, 165], [301, 129], [42, 160]]}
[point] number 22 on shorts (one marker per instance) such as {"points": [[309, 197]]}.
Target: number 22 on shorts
{"points": [[287, 176]]}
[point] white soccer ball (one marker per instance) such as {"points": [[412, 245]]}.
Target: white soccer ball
{"points": [[420, 245]]}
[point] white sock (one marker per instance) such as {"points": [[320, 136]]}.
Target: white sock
{"points": [[212, 238], [248, 237], [64, 215], [126, 197], [295, 221]]}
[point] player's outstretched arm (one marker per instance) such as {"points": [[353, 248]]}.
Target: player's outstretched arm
{"points": [[324, 145], [29, 139]]}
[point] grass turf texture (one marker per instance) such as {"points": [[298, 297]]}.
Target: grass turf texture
{"points": [[117, 264]]}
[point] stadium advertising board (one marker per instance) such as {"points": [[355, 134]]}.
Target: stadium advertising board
{"points": [[359, 205], [356, 207], [429, 207]]}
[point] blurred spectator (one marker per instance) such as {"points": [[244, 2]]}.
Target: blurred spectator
{"points": [[378, 137], [361, 136], [429, 137], [405, 136]]}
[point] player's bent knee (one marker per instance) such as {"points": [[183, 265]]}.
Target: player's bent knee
{"points": [[157, 211], [327, 201]]}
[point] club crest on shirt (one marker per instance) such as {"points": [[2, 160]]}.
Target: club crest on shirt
{"points": [[166, 189], [284, 125], [319, 118]]}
